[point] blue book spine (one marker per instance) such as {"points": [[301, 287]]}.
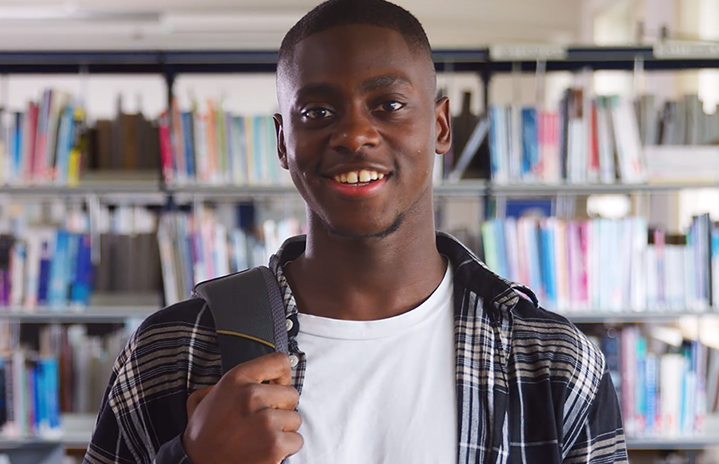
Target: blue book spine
{"points": [[57, 289], [188, 143], [546, 258], [651, 393], [530, 145], [640, 384], [82, 284], [46, 253], [18, 145], [50, 393]]}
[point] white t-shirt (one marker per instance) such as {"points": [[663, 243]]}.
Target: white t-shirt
{"points": [[381, 391]]}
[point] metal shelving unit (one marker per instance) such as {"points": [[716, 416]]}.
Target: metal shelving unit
{"points": [[631, 316], [517, 190], [68, 315], [485, 62]]}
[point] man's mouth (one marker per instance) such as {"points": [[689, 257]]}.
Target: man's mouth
{"points": [[363, 176]]}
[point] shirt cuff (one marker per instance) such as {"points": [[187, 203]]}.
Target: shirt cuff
{"points": [[172, 452]]}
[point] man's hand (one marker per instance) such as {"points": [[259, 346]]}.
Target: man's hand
{"points": [[243, 420]]}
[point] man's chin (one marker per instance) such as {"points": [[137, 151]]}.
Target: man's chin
{"points": [[355, 232]]}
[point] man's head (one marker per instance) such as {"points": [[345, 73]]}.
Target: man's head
{"points": [[356, 89], [379, 13]]}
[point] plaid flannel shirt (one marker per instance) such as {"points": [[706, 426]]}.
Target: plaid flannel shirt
{"points": [[531, 387]]}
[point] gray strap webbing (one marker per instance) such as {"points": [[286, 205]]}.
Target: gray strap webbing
{"points": [[249, 314]]}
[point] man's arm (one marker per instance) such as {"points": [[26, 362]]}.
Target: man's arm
{"points": [[122, 419], [143, 414], [601, 438], [108, 443]]}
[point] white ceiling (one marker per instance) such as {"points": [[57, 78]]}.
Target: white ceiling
{"points": [[260, 24]]}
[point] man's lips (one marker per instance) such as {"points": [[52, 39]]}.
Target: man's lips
{"points": [[358, 189]]}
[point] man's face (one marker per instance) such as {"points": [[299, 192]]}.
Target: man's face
{"points": [[360, 127]]}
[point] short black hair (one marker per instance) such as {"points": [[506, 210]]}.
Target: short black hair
{"points": [[380, 13]]}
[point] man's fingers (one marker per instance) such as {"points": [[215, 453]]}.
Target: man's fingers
{"points": [[194, 399], [273, 367], [256, 397], [281, 420], [293, 442]]}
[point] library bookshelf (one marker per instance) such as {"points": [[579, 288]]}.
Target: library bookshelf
{"points": [[154, 189]]}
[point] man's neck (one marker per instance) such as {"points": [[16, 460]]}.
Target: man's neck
{"points": [[366, 279]]}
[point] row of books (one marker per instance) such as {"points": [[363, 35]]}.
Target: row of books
{"points": [[197, 246], [607, 264], [66, 370], [47, 267], [586, 141], [662, 389], [216, 146], [60, 255], [43, 143], [29, 396], [598, 139], [86, 356], [676, 122]]}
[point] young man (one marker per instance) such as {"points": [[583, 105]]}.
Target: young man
{"points": [[403, 346]]}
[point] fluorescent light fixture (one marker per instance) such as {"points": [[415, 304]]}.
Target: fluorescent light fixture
{"points": [[229, 21]]}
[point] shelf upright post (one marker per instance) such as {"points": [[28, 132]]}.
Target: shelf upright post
{"points": [[169, 75], [486, 75]]}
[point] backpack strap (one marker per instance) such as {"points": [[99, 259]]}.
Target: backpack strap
{"points": [[249, 314]]}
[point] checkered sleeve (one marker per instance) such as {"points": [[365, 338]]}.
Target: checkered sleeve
{"points": [[143, 415], [600, 438], [107, 445]]}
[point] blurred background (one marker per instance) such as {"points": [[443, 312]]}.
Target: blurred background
{"points": [[137, 157]]}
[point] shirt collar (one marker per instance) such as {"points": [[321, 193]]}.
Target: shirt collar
{"points": [[469, 271]]}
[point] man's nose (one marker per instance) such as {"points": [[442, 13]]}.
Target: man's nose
{"points": [[355, 132]]}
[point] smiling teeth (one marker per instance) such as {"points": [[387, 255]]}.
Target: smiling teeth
{"points": [[354, 177]]}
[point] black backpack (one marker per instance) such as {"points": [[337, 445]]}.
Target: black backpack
{"points": [[249, 314]]}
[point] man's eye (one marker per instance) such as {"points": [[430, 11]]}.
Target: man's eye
{"points": [[317, 113], [391, 106]]}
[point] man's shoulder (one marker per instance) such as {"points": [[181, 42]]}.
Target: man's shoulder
{"points": [[176, 330], [192, 312], [542, 344], [548, 344]]}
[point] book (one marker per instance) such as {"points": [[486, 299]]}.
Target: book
{"points": [[197, 246], [608, 265]]}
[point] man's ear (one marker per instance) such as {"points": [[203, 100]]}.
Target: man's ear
{"points": [[281, 147], [443, 130]]}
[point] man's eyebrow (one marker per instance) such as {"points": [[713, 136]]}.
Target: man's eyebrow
{"points": [[381, 82]]}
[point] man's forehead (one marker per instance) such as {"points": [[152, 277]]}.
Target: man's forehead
{"points": [[351, 49], [353, 54]]}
